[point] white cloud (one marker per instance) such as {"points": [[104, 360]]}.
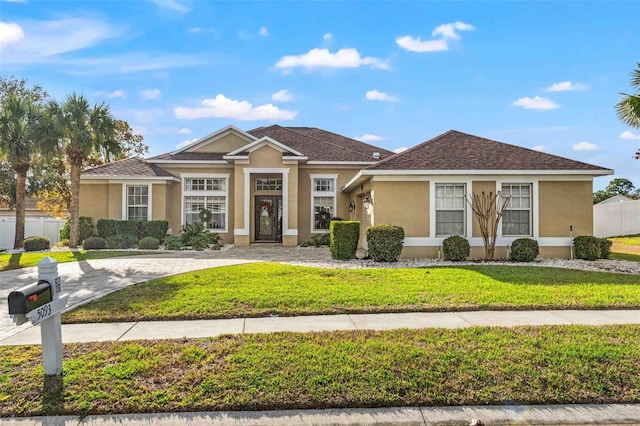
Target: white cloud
{"points": [[282, 96], [43, 40], [264, 32], [401, 149], [150, 94], [585, 146], [447, 32], [629, 135], [536, 103], [566, 86], [375, 95], [317, 58], [369, 138], [186, 142], [184, 131], [327, 37], [128, 63], [195, 30], [174, 5], [223, 107], [10, 33], [538, 148], [114, 94]]}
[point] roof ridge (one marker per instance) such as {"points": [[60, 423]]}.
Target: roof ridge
{"points": [[333, 144], [350, 138], [413, 148]]}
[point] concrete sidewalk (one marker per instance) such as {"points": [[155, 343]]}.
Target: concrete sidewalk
{"points": [[209, 328], [609, 414]]}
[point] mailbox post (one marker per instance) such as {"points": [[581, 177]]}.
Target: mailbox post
{"points": [[42, 303]]}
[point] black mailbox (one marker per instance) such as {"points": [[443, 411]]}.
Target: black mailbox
{"points": [[28, 298]]}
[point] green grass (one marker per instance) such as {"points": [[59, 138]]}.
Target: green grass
{"points": [[270, 288], [475, 366], [626, 248], [25, 260]]}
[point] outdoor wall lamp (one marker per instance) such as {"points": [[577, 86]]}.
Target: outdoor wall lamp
{"points": [[352, 207], [366, 202]]}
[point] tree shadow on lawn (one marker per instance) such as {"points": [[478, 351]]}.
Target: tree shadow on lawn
{"points": [[543, 275]]}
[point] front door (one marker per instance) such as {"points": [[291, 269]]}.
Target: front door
{"points": [[268, 218]]}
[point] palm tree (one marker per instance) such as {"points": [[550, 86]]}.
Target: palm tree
{"points": [[19, 138], [82, 131], [628, 109]]}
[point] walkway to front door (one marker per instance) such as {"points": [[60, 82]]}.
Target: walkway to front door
{"points": [[268, 218]]}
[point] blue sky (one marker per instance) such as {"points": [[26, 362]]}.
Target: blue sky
{"points": [[543, 75]]}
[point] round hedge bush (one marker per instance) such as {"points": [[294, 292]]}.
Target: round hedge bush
{"points": [[456, 248], [384, 242], [172, 243], [524, 250], [149, 243], [37, 244], [94, 243], [587, 247], [605, 247]]}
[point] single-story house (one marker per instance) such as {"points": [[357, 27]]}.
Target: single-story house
{"points": [[282, 185]]}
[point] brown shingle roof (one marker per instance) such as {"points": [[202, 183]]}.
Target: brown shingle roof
{"points": [[321, 145], [455, 150], [190, 156], [127, 167]]}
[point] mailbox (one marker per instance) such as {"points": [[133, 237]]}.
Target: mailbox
{"points": [[28, 298]]}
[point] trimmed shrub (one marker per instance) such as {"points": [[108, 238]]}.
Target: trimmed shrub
{"points": [[199, 238], [319, 240], [149, 243], [384, 242], [85, 229], [94, 243], [605, 247], [587, 247], [155, 228], [62, 243], [524, 250], [37, 244], [172, 243], [106, 227], [127, 227], [121, 241], [456, 248], [343, 239]]}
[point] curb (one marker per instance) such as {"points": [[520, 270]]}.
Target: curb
{"points": [[590, 414]]}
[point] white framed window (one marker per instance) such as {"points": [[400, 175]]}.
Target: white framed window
{"points": [[516, 220], [450, 209], [323, 201], [137, 202], [206, 192], [268, 184]]}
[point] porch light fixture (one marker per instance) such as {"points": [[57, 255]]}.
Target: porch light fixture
{"points": [[352, 207], [366, 202]]}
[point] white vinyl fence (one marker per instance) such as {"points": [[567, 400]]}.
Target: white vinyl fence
{"points": [[614, 219], [33, 226]]}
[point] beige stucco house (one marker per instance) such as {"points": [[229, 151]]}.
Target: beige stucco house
{"points": [[282, 184]]}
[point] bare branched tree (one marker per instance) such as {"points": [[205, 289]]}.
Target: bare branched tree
{"points": [[488, 210]]}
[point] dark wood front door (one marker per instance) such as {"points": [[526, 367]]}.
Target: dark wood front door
{"points": [[268, 218]]}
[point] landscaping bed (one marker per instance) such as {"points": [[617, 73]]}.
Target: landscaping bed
{"points": [[474, 366]]}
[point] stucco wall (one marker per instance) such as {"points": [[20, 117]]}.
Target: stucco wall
{"points": [[225, 144], [478, 187], [404, 204], [563, 204], [94, 201]]}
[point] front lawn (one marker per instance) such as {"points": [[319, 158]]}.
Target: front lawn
{"points": [[475, 366], [25, 260], [626, 248], [270, 288]]}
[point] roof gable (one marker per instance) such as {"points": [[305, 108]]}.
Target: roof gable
{"points": [[224, 140], [455, 150], [285, 150], [321, 145]]}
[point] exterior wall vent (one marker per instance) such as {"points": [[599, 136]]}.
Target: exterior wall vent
{"points": [[376, 155]]}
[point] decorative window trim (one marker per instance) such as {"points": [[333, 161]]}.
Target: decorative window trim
{"points": [[332, 194], [535, 209], [205, 193], [125, 199], [449, 180], [463, 209]]}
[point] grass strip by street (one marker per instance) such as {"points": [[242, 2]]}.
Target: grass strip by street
{"points": [[261, 289], [474, 366], [25, 260]]}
